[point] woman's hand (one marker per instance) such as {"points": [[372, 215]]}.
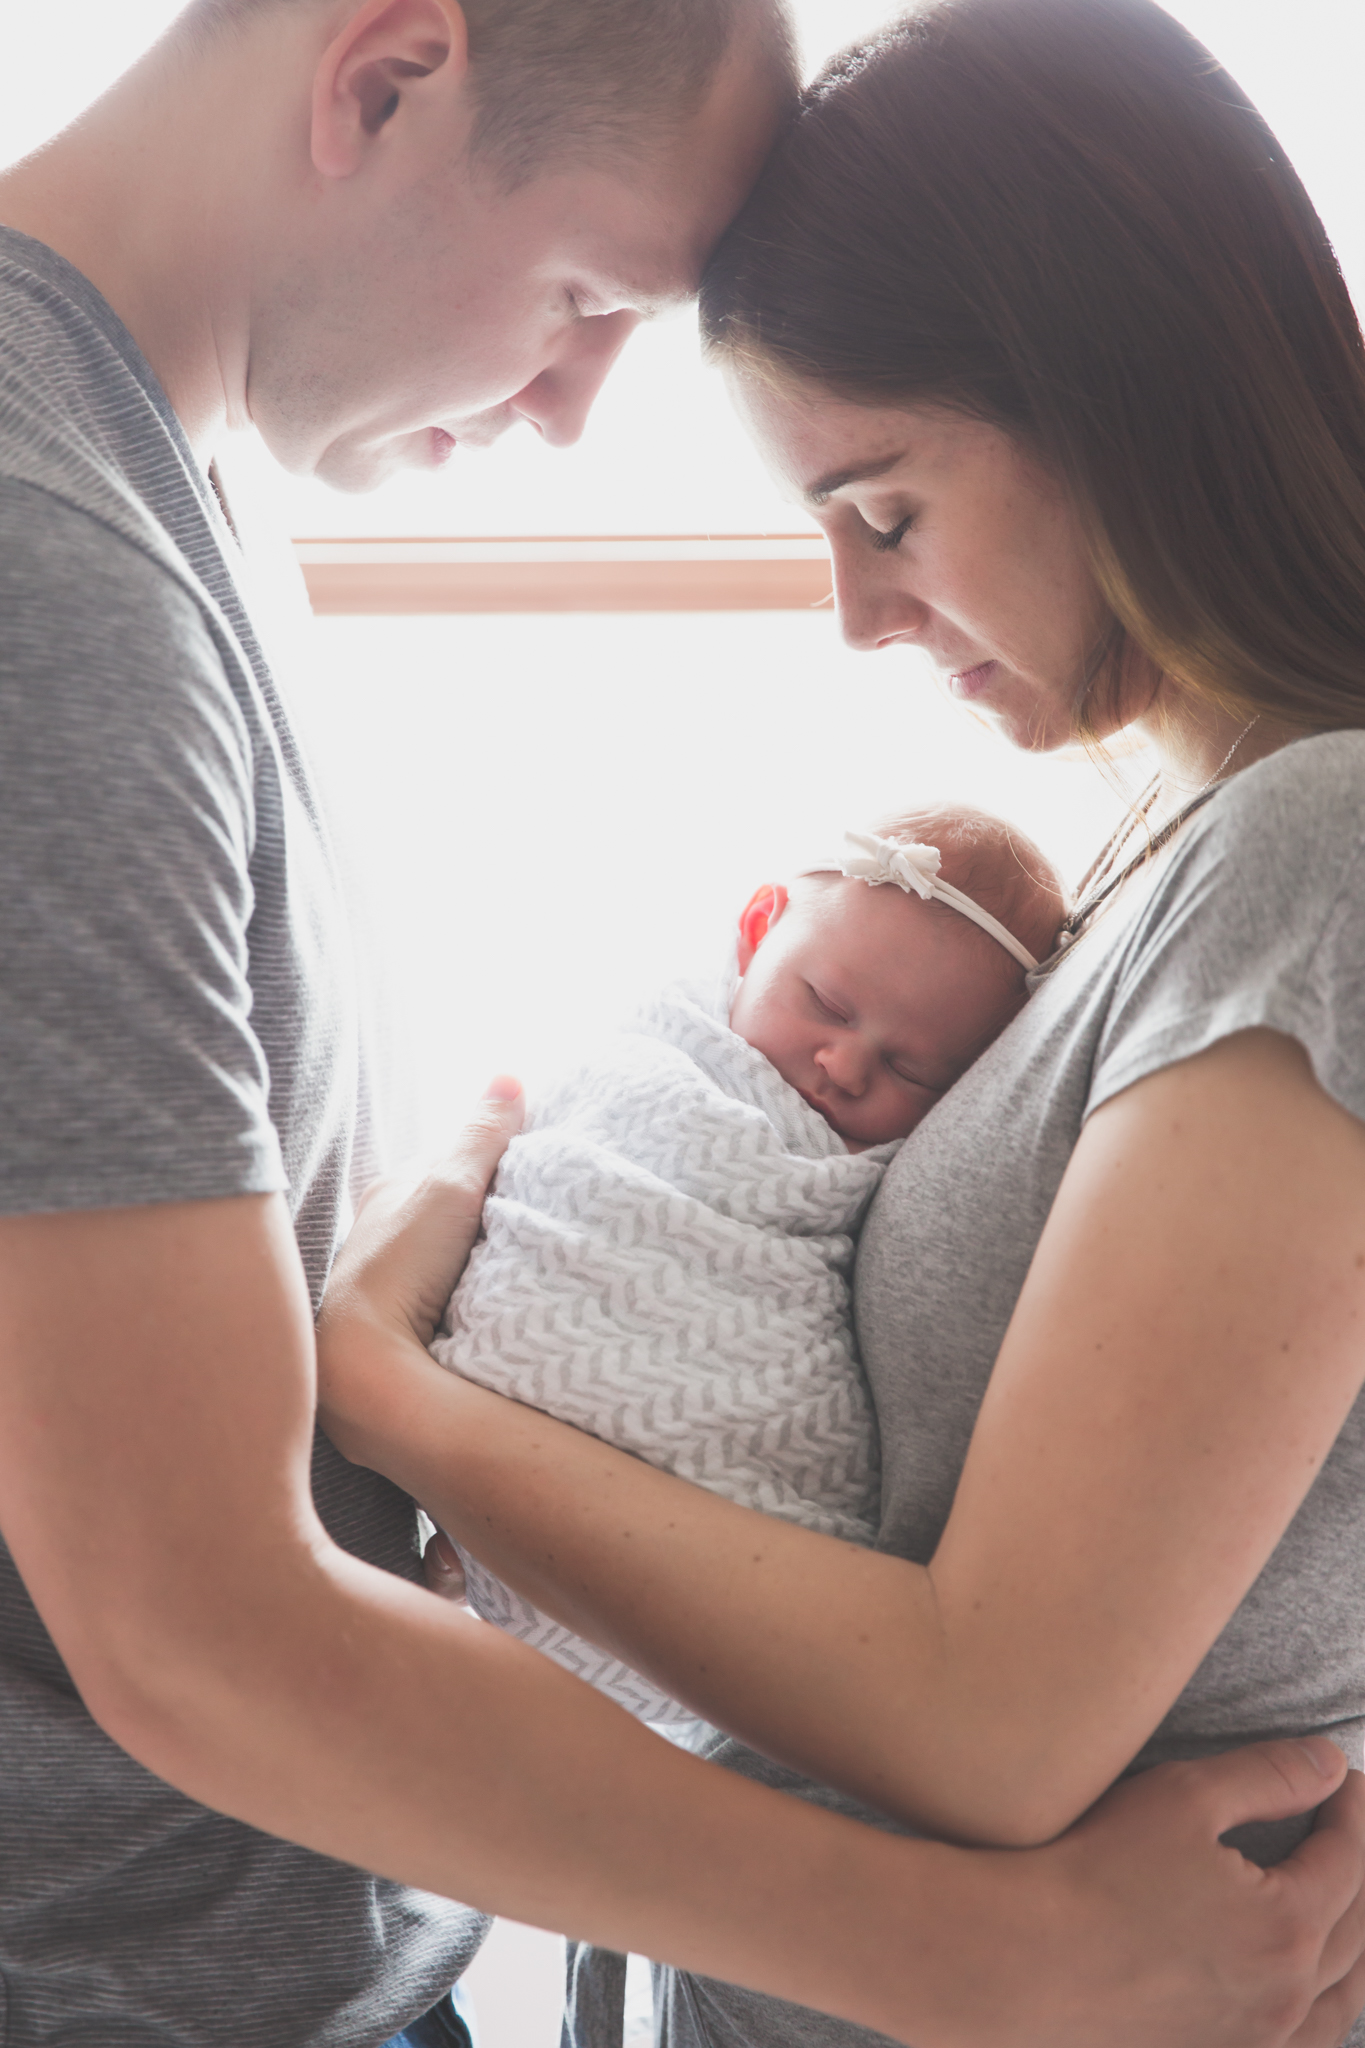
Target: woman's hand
{"points": [[395, 1273], [442, 1569]]}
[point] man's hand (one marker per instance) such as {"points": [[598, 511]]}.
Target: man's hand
{"points": [[1166, 1936]]}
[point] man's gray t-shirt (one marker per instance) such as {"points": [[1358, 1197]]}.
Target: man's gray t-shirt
{"points": [[1254, 917], [176, 1023]]}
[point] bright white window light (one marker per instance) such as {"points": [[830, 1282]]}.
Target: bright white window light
{"points": [[546, 816]]}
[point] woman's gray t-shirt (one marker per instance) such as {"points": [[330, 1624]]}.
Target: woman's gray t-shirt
{"points": [[1255, 916]]}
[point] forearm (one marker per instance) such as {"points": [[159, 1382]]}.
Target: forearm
{"points": [[368, 1720], [157, 1417], [825, 1656], [1106, 1524], [371, 1721]]}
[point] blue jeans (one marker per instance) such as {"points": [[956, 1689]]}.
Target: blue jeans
{"points": [[448, 2025]]}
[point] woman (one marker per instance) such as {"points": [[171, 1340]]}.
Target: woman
{"points": [[1032, 312]]}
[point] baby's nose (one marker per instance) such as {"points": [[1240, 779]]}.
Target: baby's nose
{"points": [[844, 1059]]}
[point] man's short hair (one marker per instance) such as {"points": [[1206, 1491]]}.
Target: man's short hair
{"points": [[562, 78]]}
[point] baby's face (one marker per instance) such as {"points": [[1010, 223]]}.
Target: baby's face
{"points": [[870, 1003]]}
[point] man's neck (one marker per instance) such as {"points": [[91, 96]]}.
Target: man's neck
{"points": [[126, 195]]}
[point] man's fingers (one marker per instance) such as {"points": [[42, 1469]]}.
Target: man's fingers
{"points": [[1328, 1869], [1268, 1781], [1323, 1885], [1337, 2008], [1334, 2013]]}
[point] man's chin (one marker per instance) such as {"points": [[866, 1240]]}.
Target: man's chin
{"points": [[358, 468]]}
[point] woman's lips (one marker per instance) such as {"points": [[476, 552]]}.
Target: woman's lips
{"points": [[970, 682], [442, 445]]}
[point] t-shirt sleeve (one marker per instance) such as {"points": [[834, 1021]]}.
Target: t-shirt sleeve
{"points": [[1257, 919], [129, 1070]]}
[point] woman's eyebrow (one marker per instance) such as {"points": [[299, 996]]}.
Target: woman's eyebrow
{"points": [[861, 473]]}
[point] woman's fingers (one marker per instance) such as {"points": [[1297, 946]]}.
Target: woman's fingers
{"points": [[393, 1277], [442, 1567], [411, 1238]]}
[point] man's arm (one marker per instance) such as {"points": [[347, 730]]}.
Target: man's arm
{"points": [[156, 1378]]}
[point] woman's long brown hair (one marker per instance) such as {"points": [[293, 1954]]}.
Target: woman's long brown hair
{"points": [[1063, 217]]}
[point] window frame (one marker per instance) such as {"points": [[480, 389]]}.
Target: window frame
{"points": [[565, 573]]}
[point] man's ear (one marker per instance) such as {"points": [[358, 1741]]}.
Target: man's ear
{"points": [[388, 50], [759, 914]]}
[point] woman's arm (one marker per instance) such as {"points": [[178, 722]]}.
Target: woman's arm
{"points": [[1187, 1345]]}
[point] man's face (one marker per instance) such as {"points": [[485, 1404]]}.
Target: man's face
{"points": [[423, 313]]}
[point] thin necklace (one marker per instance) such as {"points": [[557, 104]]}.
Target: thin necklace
{"points": [[1100, 882], [1218, 771]]}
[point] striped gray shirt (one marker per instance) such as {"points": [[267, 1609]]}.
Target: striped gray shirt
{"points": [[176, 1023]]}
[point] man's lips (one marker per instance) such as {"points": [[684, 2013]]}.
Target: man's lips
{"points": [[970, 682]]}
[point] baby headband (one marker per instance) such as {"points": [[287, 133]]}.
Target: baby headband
{"points": [[915, 869]]}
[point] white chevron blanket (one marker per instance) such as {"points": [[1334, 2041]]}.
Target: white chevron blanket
{"points": [[666, 1264]]}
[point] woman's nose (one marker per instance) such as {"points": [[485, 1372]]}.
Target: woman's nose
{"points": [[558, 401], [875, 606], [846, 1062]]}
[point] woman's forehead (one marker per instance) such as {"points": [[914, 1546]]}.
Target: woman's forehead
{"points": [[818, 443], [805, 431]]}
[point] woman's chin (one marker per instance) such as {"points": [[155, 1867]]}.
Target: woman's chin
{"points": [[1037, 729]]}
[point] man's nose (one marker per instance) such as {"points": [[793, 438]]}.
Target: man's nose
{"points": [[871, 595], [846, 1062], [558, 401]]}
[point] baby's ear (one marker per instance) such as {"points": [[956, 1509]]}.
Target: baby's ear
{"points": [[762, 910]]}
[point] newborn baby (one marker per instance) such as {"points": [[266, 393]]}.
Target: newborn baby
{"points": [[668, 1245]]}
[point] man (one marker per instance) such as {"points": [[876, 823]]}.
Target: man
{"points": [[376, 231]]}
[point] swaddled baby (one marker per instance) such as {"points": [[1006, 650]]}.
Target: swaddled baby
{"points": [[668, 1245]]}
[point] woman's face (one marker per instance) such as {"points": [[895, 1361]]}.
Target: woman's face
{"points": [[947, 537]]}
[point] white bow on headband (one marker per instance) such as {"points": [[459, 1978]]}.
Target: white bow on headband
{"points": [[915, 869]]}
